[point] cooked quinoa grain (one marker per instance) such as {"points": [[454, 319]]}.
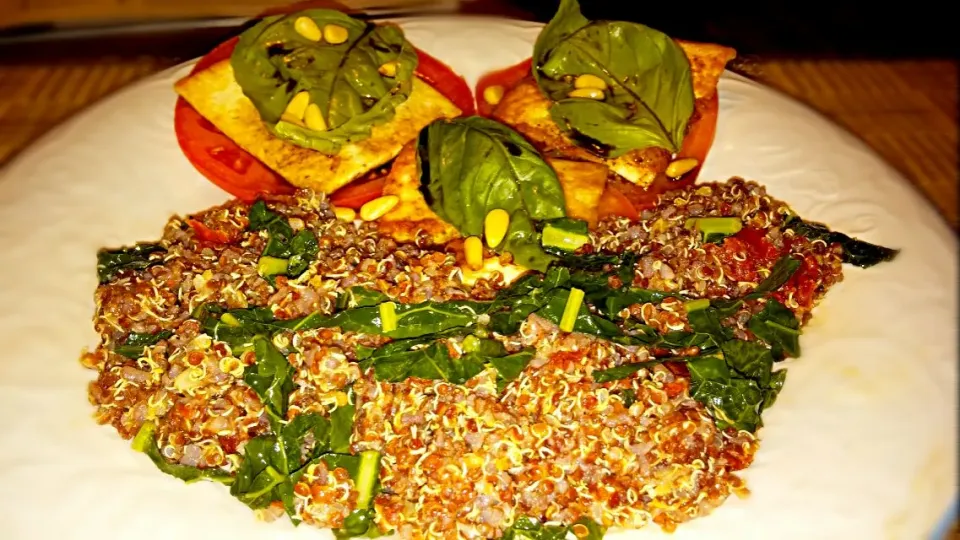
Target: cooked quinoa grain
{"points": [[458, 460]]}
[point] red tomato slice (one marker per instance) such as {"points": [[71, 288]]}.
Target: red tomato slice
{"points": [[446, 81], [214, 154], [220, 160], [220, 52], [699, 138], [614, 203], [356, 193], [507, 78], [206, 234]]}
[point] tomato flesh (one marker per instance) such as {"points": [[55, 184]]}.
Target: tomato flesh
{"points": [[445, 81], [506, 78], [614, 203], [356, 194], [699, 138], [206, 234]]}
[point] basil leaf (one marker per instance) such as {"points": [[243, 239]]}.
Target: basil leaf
{"points": [[273, 63], [470, 166], [146, 442], [855, 252], [779, 328], [649, 97], [111, 262], [135, 342]]}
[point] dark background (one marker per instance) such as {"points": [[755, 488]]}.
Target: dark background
{"points": [[841, 29]]}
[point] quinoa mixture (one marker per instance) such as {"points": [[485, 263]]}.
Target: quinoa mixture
{"points": [[456, 460]]}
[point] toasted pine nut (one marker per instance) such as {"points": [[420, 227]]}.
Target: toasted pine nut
{"points": [[681, 167], [589, 93], [473, 251], [389, 69], [376, 208], [297, 107], [495, 226], [314, 118], [307, 28], [589, 81], [493, 94], [335, 34], [344, 214]]}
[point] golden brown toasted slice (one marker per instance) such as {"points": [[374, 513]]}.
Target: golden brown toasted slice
{"points": [[582, 183], [527, 110], [215, 94], [411, 215]]}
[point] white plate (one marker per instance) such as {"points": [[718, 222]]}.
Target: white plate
{"points": [[861, 443]]}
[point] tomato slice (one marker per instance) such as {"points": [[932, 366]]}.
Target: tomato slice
{"points": [[699, 138], [214, 154], [613, 202], [220, 160], [446, 81], [355, 194], [220, 52], [206, 234], [506, 78]]}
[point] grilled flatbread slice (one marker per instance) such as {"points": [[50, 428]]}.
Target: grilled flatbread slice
{"points": [[215, 94], [527, 110]]}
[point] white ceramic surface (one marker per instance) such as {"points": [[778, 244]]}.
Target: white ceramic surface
{"points": [[860, 445]]}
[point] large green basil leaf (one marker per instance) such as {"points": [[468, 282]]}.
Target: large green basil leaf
{"points": [[272, 63], [649, 97], [470, 166]]}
